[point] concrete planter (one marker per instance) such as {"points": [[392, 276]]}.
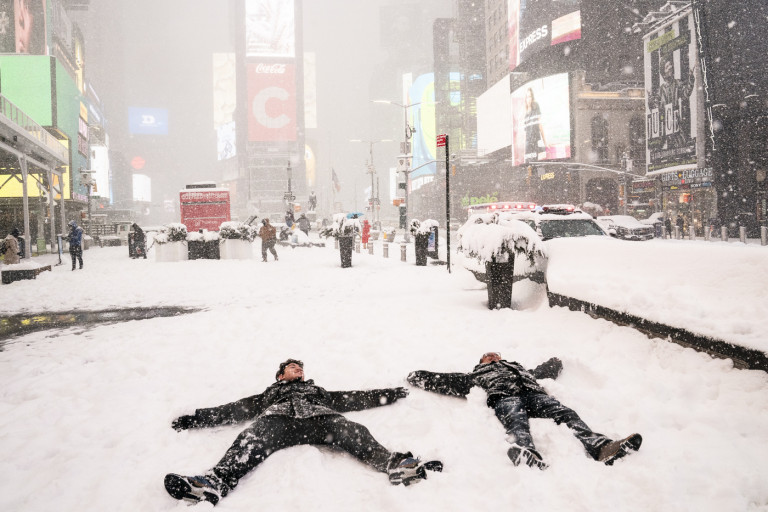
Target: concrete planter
{"points": [[234, 249], [171, 251]]}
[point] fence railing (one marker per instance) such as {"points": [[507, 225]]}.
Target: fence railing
{"points": [[13, 113]]}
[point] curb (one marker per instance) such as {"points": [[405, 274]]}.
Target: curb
{"points": [[743, 358]]}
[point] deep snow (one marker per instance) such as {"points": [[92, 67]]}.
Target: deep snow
{"points": [[86, 411]]}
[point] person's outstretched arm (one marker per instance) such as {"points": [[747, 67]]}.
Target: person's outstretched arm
{"points": [[549, 369], [346, 401], [235, 412], [454, 384]]}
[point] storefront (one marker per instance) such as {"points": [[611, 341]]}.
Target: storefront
{"points": [[690, 194]]}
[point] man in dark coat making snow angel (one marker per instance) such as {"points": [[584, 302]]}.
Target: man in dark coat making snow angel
{"points": [[291, 412], [515, 395]]}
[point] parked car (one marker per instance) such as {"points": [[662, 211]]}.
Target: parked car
{"points": [[626, 227]]}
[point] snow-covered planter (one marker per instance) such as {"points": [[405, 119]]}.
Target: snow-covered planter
{"points": [[203, 245], [171, 245], [421, 232], [236, 239], [344, 230], [492, 244]]}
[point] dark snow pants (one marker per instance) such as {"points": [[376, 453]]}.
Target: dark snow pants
{"points": [[513, 412], [271, 433], [268, 244], [76, 251]]}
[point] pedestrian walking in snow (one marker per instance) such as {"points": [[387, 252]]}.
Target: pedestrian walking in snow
{"points": [[515, 395], [20, 240], [366, 234], [312, 201], [293, 412], [10, 249], [304, 224], [75, 238], [268, 235], [289, 218], [139, 242]]}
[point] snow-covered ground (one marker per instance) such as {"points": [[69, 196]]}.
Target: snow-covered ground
{"points": [[85, 412]]}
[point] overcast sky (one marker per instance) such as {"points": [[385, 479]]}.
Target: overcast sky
{"points": [[150, 53]]}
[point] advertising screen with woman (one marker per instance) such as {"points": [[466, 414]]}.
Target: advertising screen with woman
{"points": [[541, 120]]}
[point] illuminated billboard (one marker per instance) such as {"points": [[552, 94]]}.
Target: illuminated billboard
{"points": [[538, 24], [270, 28], [224, 101], [671, 102], [271, 101], [142, 188], [541, 120], [494, 118], [100, 168], [421, 95], [23, 26], [148, 121], [226, 145]]}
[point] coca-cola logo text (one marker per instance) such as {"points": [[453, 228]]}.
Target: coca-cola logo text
{"points": [[270, 69]]}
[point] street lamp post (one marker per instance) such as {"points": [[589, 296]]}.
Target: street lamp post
{"points": [[406, 150], [372, 172]]}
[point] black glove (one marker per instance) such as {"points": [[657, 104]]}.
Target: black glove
{"points": [[183, 423], [416, 378], [401, 392]]}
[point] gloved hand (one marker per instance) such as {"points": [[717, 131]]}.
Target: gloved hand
{"points": [[416, 378], [183, 423], [401, 392]]}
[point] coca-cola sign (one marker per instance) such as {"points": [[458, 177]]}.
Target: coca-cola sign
{"points": [[270, 69], [272, 103]]}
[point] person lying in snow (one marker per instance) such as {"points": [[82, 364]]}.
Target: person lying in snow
{"points": [[291, 412], [515, 395]]}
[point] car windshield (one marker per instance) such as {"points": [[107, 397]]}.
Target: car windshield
{"points": [[569, 227]]}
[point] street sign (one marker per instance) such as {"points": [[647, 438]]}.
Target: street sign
{"points": [[289, 197], [441, 140]]}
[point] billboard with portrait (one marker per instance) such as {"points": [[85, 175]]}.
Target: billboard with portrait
{"points": [[537, 24], [271, 101], [270, 28], [541, 120], [671, 100], [24, 23], [147, 121], [421, 95]]}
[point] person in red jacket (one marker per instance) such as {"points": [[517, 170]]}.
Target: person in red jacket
{"points": [[366, 233], [268, 235]]}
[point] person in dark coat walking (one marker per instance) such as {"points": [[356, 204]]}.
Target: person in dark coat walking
{"points": [[75, 238], [515, 395], [668, 227], [268, 235], [20, 240], [680, 224], [139, 241], [304, 224], [289, 218], [291, 412]]}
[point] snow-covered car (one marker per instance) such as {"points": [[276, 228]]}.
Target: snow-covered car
{"points": [[626, 227], [561, 221]]}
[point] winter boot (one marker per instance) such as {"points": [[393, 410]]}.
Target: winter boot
{"points": [[208, 487], [404, 468], [528, 456], [611, 452]]}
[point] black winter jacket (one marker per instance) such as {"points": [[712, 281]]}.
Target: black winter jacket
{"points": [[297, 399], [500, 379]]}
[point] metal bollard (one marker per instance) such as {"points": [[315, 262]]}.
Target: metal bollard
{"points": [[385, 249], [370, 248], [764, 235], [743, 234], [692, 232], [403, 247], [664, 232], [357, 246], [678, 234], [724, 233], [707, 233], [335, 243]]}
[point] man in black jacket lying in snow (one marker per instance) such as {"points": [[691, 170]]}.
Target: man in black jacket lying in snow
{"points": [[291, 412], [515, 395]]}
